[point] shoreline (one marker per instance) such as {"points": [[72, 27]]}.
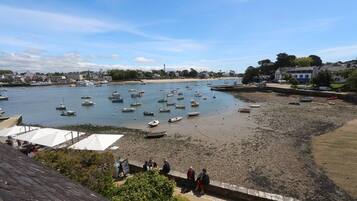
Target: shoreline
{"points": [[172, 80]]}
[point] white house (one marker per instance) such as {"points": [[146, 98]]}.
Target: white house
{"points": [[302, 74]]}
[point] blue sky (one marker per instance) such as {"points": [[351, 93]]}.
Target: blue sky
{"points": [[67, 35]]}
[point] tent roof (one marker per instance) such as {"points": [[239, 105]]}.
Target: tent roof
{"points": [[96, 142], [15, 130], [48, 136]]}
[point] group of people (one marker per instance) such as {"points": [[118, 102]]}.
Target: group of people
{"points": [[198, 184], [152, 165]]}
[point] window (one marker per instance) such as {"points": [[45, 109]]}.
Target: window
{"points": [[306, 76], [301, 76]]}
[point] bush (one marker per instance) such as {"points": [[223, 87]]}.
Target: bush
{"points": [[323, 78], [146, 186], [91, 169]]}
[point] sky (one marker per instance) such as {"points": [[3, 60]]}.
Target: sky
{"points": [[67, 35]]}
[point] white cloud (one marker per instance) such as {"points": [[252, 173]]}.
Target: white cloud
{"points": [[143, 60], [338, 53]]}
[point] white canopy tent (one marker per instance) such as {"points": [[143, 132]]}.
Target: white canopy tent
{"points": [[49, 137], [16, 130], [96, 142]]}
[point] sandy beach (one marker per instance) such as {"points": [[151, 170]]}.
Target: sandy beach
{"points": [[268, 149]]}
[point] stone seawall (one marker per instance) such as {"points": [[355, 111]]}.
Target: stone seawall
{"points": [[219, 189]]}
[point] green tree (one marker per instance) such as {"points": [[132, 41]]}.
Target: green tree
{"points": [[303, 61], [316, 60], [284, 60], [323, 78], [2, 72], [250, 74], [352, 80], [193, 73], [146, 186]]}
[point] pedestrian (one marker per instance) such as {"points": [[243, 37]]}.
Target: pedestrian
{"points": [[150, 164], [202, 182], [190, 179], [166, 167], [145, 166]]}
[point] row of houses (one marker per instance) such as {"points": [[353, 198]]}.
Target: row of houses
{"points": [[305, 74]]}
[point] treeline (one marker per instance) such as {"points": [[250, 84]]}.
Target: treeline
{"points": [[267, 68], [118, 74]]}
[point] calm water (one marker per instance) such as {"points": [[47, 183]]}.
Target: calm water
{"points": [[37, 104]]}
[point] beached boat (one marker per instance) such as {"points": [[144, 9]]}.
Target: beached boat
{"points": [[3, 98], [306, 99], [135, 104], [244, 110], [180, 107], [154, 123], [331, 103], [294, 103], [68, 113], [175, 119], [148, 113], [193, 114], [195, 104], [180, 98], [117, 100], [155, 134], [332, 98], [87, 103], [164, 110], [128, 109], [254, 106], [61, 107], [86, 97], [163, 100], [170, 104]]}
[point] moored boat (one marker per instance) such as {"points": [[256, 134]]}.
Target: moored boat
{"points": [[117, 100], [86, 97], [61, 107], [135, 104], [180, 107], [87, 103], [68, 113], [193, 114], [195, 104], [148, 113], [170, 104], [170, 95], [128, 109], [3, 98], [163, 100], [154, 123], [180, 98], [175, 119], [164, 110]]}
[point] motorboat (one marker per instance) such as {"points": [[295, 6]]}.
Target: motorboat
{"points": [[87, 103], [86, 97], [193, 114], [115, 95], [244, 110], [148, 113], [163, 100], [155, 134], [135, 104], [3, 98], [195, 104], [180, 107], [180, 98], [154, 123], [68, 113], [132, 90], [61, 107], [175, 119], [117, 100], [136, 95], [170, 104], [254, 106], [198, 95], [170, 95], [128, 109], [164, 110]]}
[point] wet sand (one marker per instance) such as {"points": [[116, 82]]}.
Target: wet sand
{"points": [[268, 149]]}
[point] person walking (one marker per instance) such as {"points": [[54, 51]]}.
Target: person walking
{"points": [[166, 167], [202, 182], [190, 179]]}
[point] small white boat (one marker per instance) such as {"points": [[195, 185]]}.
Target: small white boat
{"points": [[87, 103], [128, 109], [135, 104], [180, 107], [175, 119], [331, 103], [68, 113], [115, 95], [154, 123], [195, 104], [170, 95], [164, 110], [61, 107], [193, 114], [254, 106], [198, 95], [132, 90], [3, 98]]}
